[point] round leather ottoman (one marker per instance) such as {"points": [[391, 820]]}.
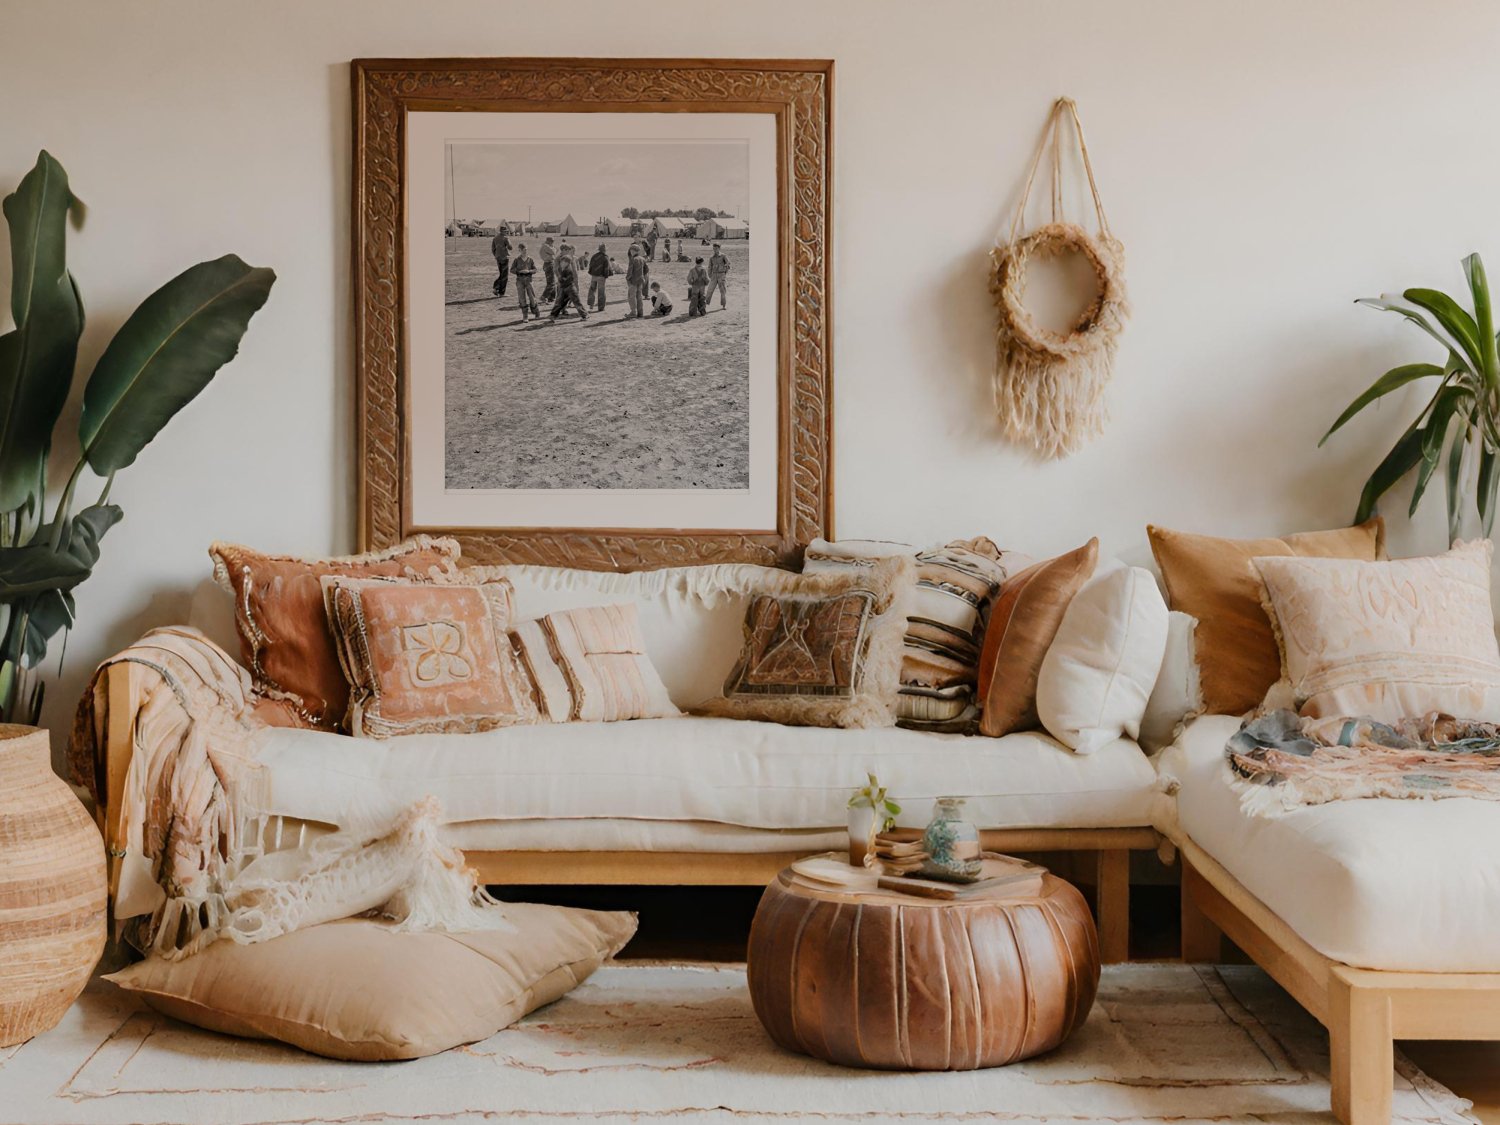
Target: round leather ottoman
{"points": [[883, 979]]}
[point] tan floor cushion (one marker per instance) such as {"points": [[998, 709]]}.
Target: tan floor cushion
{"points": [[358, 990]]}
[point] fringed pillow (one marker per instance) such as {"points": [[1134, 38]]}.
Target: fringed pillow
{"points": [[424, 657], [823, 649], [284, 635]]}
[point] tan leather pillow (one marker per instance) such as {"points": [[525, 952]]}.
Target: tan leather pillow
{"points": [[285, 640], [357, 990], [1214, 580], [1023, 622], [427, 657]]}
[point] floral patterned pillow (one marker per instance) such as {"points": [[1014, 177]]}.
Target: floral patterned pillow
{"points": [[427, 657]]}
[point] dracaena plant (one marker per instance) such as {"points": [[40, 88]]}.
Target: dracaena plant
{"points": [[1457, 427], [163, 355]]}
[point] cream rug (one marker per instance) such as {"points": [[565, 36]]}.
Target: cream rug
{"points": [[640, 1042]]}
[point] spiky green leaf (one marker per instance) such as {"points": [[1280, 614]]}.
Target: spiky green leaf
{"points": [[1455, 321], [1489, 461], [1402, 458], [1392, 380]]}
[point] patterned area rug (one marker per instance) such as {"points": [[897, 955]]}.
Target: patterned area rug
{"points": [[640, 1042]]}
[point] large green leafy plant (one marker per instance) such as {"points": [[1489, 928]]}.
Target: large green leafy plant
{"points": [[1457, 427], [163, 355]]}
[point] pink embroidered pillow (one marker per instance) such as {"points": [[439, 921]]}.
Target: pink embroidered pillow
{"points": [[590, 665], [427, 657], [1390, 640]]}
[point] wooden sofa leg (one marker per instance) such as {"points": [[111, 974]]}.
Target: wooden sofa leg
{"points": [[1112, 886], [1361, 1052], [1202, 941]]}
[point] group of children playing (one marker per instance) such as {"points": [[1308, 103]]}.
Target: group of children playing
{"points": [[563, 269]]}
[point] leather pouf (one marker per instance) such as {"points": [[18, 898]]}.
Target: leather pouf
{"points": [[52, 888], [896, 982]]}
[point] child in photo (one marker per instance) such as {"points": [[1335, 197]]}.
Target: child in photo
{"points": [[661, 300], [697, 283]]}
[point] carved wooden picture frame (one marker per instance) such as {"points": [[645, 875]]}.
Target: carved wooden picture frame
{"points": [[796, 94]]}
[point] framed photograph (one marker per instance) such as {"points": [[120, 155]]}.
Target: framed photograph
{"points": [[592, 307]]}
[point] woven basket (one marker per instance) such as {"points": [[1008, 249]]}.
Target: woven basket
{"points": [[52, 889]]}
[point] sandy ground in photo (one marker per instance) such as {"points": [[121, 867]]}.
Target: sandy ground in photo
{"points": [[657, 403]]}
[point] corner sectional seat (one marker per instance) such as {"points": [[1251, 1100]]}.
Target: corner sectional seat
{"points": [[1401, 885]]}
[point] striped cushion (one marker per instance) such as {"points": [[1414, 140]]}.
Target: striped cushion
{"points": [[590, 665], [955, 586]]}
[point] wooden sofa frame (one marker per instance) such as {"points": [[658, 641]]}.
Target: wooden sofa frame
{"points": [[1111, 846], [1364, 1010]]}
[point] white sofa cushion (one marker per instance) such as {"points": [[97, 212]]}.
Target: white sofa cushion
{"points": [[1378, 884], [731, 771], [1101, 665]]}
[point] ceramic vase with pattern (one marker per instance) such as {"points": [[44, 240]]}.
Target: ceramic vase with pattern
{"points": [[53, 891]]}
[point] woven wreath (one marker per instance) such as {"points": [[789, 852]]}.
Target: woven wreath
{"points": [[1049, 386]]}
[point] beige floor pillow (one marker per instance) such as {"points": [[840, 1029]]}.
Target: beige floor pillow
{"points": [[356, 990]]}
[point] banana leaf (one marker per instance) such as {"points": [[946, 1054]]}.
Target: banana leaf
{"points": [[1394, 379], [1455, 476], [35, 568], [166, 353], [37, 356]]}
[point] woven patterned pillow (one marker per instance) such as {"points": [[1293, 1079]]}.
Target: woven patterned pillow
{"points": [[284, 634], [427, 657], [590, 665], [956, 584]]}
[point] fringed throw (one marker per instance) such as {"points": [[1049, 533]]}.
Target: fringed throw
{"points": [[1280, 761]]}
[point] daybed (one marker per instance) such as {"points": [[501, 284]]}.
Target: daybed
{"points": [[1378, 915], [672, 801]]}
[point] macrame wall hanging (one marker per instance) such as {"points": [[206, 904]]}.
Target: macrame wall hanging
{"points": [[1049, 386]]}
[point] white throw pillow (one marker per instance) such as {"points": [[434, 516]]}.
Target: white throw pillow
{"points": [[1098, 674], [1178, 694]]}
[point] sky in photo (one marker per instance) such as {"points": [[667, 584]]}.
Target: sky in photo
{"points": [[530, 180]]}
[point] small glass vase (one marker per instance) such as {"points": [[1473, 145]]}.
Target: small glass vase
{"points": [[951, 843]]}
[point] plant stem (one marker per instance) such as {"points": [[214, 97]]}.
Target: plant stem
{"points": [[65, 504]]}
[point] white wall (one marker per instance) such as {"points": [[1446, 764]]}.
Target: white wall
{"points": [[1264, 164]]}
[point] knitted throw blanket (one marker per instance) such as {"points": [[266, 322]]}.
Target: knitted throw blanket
{"points": [[196, 859], [1280, 761]]}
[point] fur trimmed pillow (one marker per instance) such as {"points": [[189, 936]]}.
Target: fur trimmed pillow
{"points": [[285, 640], [823, 649], [956, 583]]}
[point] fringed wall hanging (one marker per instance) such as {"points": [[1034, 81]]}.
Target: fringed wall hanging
{"points": [[1049, 386]]}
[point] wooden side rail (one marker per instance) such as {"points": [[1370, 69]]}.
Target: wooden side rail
{"points": [[1364, 1010]]}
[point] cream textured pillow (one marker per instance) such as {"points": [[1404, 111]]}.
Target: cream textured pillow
{"points": [[590, 665], [1390, 640], [1099, 671], [1177, 693], [356, 990]]}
